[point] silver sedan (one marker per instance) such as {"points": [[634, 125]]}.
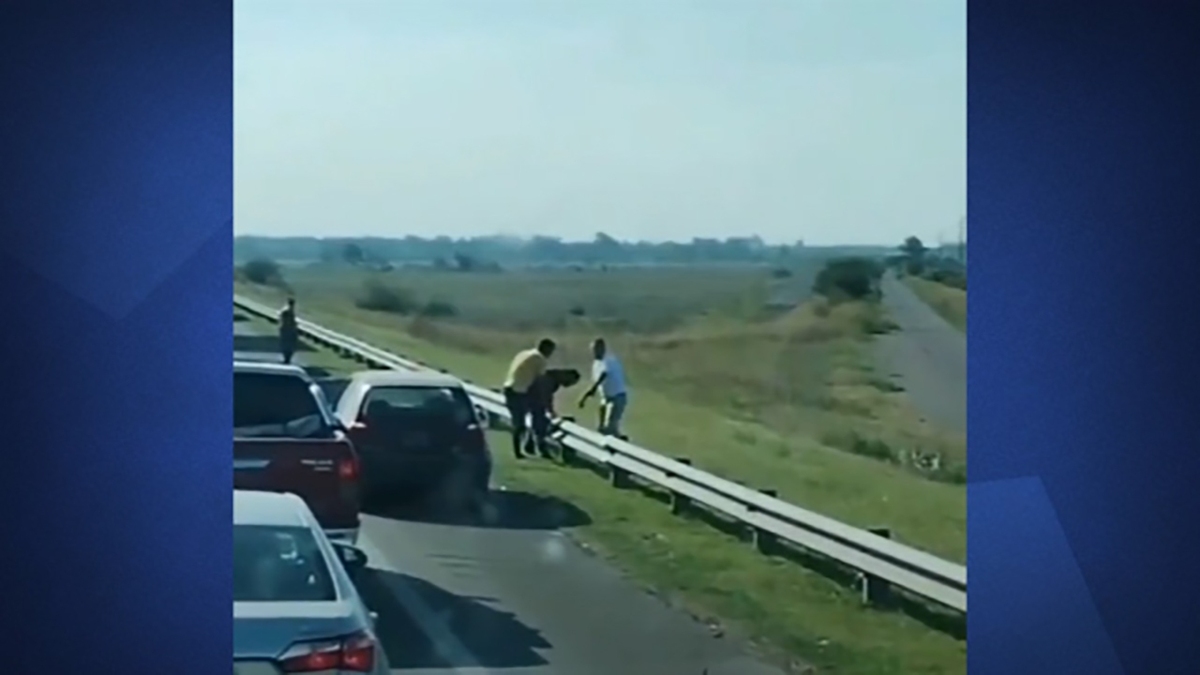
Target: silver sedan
{"points": [[295, 607]]}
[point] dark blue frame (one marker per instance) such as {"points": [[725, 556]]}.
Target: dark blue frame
{"points": [[1084, 477], [116, 151]]}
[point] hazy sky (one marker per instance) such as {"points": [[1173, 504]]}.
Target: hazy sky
{"points": [[835, 121]]}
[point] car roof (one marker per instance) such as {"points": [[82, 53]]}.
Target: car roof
{"points": [[267, 368], [253, 507], [406, 378]]}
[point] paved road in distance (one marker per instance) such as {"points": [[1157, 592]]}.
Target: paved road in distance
{"points": [[928, 355], [518, 596]]}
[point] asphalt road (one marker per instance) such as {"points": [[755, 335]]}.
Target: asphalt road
{"points": [[927, 356], [517, 595]]}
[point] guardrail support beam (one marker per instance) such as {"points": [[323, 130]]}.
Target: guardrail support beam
{"points": [[876, 591], [618, 477], [765, 542], [679, 503]]}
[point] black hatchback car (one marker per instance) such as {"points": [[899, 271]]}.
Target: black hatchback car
{"points": [[417, 435]]}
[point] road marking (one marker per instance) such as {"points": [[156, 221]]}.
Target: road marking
{"points": [[435, 625]]}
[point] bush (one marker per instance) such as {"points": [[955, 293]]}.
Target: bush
{"points": [[377, 297], [438, 309], [952, 278], [263, 272], [849, 279]]}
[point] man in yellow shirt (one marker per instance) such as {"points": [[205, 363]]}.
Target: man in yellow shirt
{"points": [[527, 366]]}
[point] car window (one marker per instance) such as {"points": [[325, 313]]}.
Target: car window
{"points": [[450, 402], [279, 564], [277, 405], [332, 389]]}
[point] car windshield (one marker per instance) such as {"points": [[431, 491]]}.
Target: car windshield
{"points": [[268, 405], [279, 564], [447, 404]]}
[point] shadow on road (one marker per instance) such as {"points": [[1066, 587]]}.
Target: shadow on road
{"points": [[505, 510], [494, 638]]}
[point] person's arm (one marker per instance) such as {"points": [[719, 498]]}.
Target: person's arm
{"points": [[591, 391]]}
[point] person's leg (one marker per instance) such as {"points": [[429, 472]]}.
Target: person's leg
{"points": [[616, 413], [602, 416], [287, 348], [541, 427], [517, 410]]}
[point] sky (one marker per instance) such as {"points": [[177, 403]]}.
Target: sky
{"points": [[830, 121]]}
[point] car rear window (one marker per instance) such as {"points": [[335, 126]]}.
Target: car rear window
{"points": [[276, 405], [449, 403], [279, 564]]}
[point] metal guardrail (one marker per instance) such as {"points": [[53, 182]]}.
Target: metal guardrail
{"points": [[882, 564]]}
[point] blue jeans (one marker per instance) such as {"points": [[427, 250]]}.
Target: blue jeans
{"points": [[611, 414]]}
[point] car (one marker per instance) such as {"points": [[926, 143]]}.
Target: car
{"points": [[295, 606], [417, 434], [287, 439]]}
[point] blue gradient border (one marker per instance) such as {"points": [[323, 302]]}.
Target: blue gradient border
{"points": [[116, 139], [1084, 473]]}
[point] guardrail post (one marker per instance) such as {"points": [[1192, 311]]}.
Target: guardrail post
{"points": [[618, 477], [765, 542], [566, 454], [876, 591], [679, 503]]}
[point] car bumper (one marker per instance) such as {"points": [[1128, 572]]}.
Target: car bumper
{"points": [[350, 536]]}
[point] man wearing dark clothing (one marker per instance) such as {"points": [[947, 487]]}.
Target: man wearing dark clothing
{"points": [[289, 331], [541, 403], [519, 396]]}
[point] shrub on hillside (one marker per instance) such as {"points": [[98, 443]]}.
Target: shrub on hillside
{"points": [[378, 297], [952, 278], [262, 271], [438, 309], [849, 279]]}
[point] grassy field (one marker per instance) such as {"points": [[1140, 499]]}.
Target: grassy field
{"points": [[785, 401], [947, 301], [793, 614]]}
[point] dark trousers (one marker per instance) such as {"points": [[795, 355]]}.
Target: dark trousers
{"points": [[529, 417], [287, 347]]}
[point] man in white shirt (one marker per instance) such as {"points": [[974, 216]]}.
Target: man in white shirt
{"points": [[608, 377]]}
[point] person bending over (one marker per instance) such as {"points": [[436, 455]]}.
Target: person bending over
{"points": [[541, 409], [523, 373]]}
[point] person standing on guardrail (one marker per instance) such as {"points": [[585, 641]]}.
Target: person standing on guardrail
{"points": [[608, 377], [527, 367], [289, 330]]}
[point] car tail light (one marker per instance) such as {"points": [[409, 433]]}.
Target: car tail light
{"points": [[355, 654], [348, 468]]}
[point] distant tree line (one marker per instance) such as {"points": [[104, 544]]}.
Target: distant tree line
{"points": [[490, 253]]}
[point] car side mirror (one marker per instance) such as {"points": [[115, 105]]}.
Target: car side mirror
{"points": [[351, 557]]}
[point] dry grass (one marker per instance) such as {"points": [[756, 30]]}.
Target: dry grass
{"points": [[947, 301]]}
